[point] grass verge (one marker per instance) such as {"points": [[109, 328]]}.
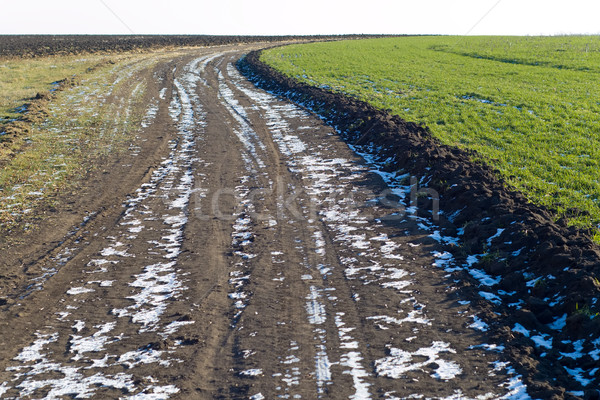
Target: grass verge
{"points": [[98, 116]]}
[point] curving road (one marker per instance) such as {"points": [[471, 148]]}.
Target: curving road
{"points": [[259, 258]]}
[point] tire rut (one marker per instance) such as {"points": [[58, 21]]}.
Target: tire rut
{"points": [[262, 258]]}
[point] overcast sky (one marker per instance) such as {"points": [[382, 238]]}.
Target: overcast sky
{"points": [[270, 17]]}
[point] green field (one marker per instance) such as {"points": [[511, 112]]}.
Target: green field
{"points": [[530, 106]]}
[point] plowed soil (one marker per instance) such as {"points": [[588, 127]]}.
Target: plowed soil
{"points": [[45, 45]]}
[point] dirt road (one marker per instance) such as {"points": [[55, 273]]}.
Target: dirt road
{"points": [[245, 252]]}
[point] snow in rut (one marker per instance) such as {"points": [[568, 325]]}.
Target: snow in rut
{"points": [[93, 348], [373, 259]]}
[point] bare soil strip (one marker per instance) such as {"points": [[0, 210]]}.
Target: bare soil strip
{"points": [[243, 250]]}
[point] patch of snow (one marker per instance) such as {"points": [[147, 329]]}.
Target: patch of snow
{"points": [[577, 374], [444, 239], [491, 297], [79, 290], [400, 362], [498, 233], [521, 329], [578, 353], [315, 310], [79, 325], [484, 278], [489, 347], [544, 341], [559, 323], [478, 324], [4, 388], [93, 343]]}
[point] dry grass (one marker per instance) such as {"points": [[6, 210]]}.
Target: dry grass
{"points": [[49, 151]]}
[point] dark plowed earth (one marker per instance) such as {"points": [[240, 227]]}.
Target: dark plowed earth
{"points": [[248, 253], [44, 45]]}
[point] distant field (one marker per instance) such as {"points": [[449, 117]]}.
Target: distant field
{"points": [[530, 106], [44, 45]]}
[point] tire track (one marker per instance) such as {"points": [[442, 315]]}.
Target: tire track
{"points": [[374, 259], [62, 363], [263, 258]]}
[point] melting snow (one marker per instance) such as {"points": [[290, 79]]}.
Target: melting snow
{"points": [[315, 310], [559, 323], [252, 372], [521, 329], [478, 324], [401, 362], [79, 290]]}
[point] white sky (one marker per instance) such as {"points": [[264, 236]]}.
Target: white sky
{"points": [[270, 17]]}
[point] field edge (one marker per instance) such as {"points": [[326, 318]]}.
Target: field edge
{"points": [[534, 244]]}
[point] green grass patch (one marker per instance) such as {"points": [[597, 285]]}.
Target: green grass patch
{"points": [[530, 106]]}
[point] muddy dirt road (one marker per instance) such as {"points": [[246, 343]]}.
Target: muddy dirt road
{"points": [[245, 253]]}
